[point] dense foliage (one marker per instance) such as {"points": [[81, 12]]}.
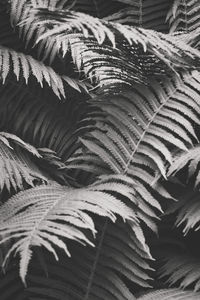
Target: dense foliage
{"points": [[99, 149]]}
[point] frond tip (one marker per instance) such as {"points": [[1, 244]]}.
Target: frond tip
{"points": [[16, 166], [47, 215], [170, 294]]}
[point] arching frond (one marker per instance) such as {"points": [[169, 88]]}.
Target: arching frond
{"points": [[38, 117], [184, 15], [137, 53], [16, 167], [170, 294], [140, 141], [187, 211], [146, 13], [189, 159], [45, 215], [181, 269], [63, 279], [103, 269], [24, 66]]}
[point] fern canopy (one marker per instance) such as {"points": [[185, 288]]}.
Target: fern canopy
{"points": [[46, 214], [99, 134]]}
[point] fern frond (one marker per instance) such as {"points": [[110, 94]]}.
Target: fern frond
{"points": [[189, 159], [16, 167], [45, 215], [38, 117], [64, 280], [170, 294], [137, 52], [145, 13], [184, 15], [105, 268], [181, 269], [23, 66], [137, 133], [187, 211]]}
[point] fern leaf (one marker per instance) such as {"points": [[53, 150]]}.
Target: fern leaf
{"points": [[181, 269], [188, 159], [65, 280], [32, 216], [184, 15], [172, 294], [24, 66], [148, 137], [187, 209], [105, 267], [145, 13], [103, 64], [16, 167]]}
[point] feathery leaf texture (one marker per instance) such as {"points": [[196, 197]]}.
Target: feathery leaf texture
{"points": [[38, 117], [139, 142], [127, 55], [181, 269], [170, 294], [103, 268], [189, 159], [144, 13], [187, 211], [23, 66], [45, 215], [184, 15], [16, 167]]}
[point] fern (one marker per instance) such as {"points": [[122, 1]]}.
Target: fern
{"points": [[181, 269], [84, 35], [45, 215], [189, 159], [140, 142], [23, 66], [145, 13], [172, 294], [184, 15], [15, 165]]}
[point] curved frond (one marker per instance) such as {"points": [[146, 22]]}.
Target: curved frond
{"points": [[16, 167], [137, 133], [70, 278], [137, 52], [189, 159], [187, 211], [45, 215], [24, 66], [170, 294], [181, 269], [38, 117], [184, 15]]}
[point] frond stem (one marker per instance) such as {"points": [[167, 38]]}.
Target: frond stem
{"points": [[145, 131], [96, 260]]}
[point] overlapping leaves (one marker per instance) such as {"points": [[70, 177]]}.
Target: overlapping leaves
{"points": [[103, 49], [16, 167], [45, 215]]}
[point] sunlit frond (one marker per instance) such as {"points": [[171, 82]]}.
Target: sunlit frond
{"points": [[45, 215], [170, 294], [16, 167], [184, 15]]}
